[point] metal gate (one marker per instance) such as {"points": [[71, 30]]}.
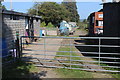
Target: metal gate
{"points": [[83, 53]]}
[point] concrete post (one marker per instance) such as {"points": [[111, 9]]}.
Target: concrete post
{"points": [[0, 43]]}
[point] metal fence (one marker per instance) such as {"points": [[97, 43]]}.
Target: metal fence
{"points": [[83, 53]]}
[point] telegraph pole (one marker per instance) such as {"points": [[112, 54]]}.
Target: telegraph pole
{"points": [[11, 5]]}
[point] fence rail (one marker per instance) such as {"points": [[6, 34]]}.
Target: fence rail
{"points": [[99, 59]]}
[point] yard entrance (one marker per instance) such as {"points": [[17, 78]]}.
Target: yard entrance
{"points": [[73, 53]]}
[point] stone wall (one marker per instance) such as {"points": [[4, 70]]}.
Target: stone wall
{"points": [[10, 27], [13, 23], [36, 24]]}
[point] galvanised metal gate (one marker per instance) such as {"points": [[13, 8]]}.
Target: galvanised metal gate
{"points": [[83, 53]]}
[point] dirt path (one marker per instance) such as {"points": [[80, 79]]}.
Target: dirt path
{"points": [[34, 49], [50, 73], [39, 48], [79, 33]]}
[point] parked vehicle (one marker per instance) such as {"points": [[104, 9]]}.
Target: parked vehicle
{"points": [[66, 28]]}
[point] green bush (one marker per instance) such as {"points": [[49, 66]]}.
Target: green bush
{"points": [[50, 25]]}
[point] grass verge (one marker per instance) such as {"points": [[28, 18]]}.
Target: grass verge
{"points": [[18, 69], [67, 73], [70, 73], [115, 75]]}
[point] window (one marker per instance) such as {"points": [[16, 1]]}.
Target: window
{"points": [[11, 17], [93, 19], [96, 22], [14, 17], [100, 15], [100, 23]]}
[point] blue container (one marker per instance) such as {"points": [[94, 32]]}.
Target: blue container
{"points": [[4, 47], [40, 33]]}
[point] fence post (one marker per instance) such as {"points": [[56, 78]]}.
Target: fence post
{"points": [[99, 50], [17, 45], [21, 46], [70, 52], [44, 50], [17, 48]]}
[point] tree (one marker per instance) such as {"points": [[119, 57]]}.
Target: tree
{"points": [[85, 21], [50, 12], [2, 6], [43, 24], [72, 8], [83, 24]]}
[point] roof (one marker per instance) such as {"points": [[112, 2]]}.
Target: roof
{"points": [[101, 10], [18, 13], [110, 3]]}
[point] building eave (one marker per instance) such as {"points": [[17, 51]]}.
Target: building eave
{"points": [[9, 12]]}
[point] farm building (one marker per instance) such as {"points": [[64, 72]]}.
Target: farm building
{"points": [[95, 25], [111, 22], [111, 19], [16, 22]]}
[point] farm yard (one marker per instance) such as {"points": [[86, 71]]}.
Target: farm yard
{"points": [[50, 55], [53, 40]]}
